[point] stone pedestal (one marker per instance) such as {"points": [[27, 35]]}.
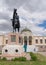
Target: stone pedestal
{"points": [[14, 51], [13, 38]]}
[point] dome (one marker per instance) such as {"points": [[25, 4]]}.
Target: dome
{"points": [[26, 29]]}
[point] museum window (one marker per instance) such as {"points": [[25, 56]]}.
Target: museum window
{"points": [[13, 38], [30, 40], [36, 40], [41, 41], [19, 39], [45, 40], [6, 41], [22, 41]]}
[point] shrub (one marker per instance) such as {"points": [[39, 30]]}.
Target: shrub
{"points": [[19, 59], [33, 56], [22, 58], [15, 59], [4, 58]]}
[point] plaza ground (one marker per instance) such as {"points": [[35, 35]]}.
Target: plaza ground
{"points": [[43, 53]]}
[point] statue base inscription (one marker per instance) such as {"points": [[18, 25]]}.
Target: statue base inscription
{"points": [[13, 38]]}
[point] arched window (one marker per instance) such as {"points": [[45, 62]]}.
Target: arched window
{"points": [[30, 40], [36, 41]]}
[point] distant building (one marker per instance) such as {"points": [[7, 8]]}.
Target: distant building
{"points": [[34, 43]]}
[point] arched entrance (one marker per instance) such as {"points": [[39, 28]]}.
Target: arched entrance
{"points": [[25, 43], [25, 40]]}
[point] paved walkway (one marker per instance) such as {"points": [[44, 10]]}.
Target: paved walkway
{"points": [[43, 53]]}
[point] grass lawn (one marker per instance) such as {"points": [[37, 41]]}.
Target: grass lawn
{"points": [[41, 61], [23, 63]]}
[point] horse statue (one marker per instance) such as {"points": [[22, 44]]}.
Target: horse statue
{"points": [[15, 21]]}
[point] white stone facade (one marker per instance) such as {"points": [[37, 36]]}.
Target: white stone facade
{"points": [[34, 43]]}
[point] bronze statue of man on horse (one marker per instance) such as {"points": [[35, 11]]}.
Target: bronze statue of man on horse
{"points": [[15, 21]]}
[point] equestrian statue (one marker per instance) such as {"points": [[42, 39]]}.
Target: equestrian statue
{"points": [[15, 21]]}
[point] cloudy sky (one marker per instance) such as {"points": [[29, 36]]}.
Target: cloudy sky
{"points": [[32, 15]]}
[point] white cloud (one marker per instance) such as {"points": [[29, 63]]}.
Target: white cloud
{"points": [[31, 21], [31, 13]]}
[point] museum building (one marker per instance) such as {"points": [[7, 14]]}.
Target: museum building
{"points": [[34, 43]]}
